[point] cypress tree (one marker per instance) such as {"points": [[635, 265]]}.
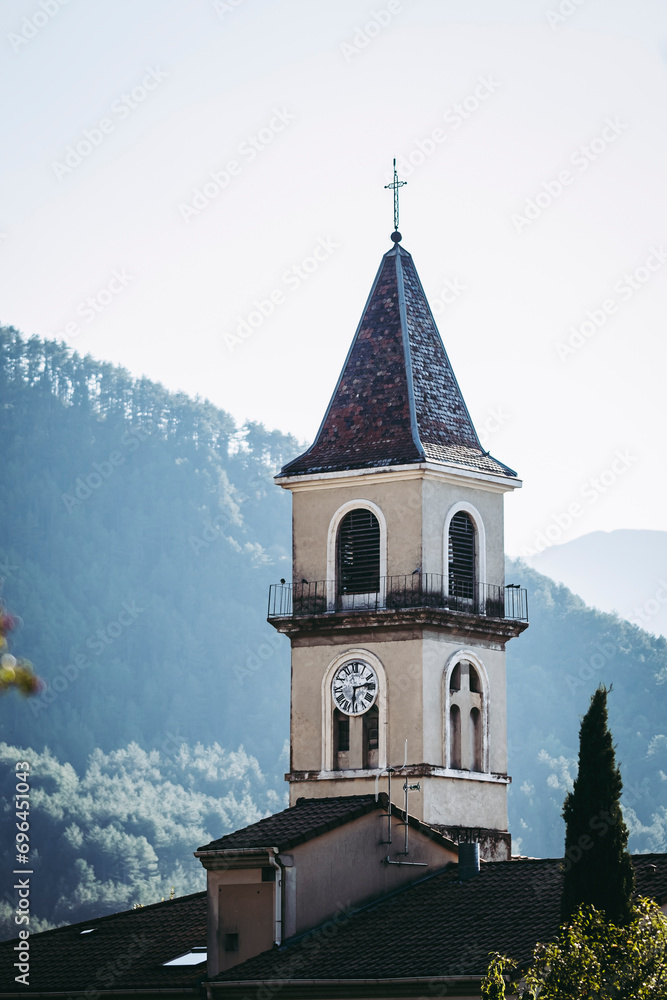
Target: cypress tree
{"points": [[597, 867]]}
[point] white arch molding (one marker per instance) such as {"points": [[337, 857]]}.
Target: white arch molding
{"points": [[470, 657], [328, 705], [332, 540], [480, 542]]}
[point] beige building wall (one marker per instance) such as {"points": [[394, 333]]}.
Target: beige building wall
{"points": [[345, 867], [415, 505], [414, 681], [241, 903]]}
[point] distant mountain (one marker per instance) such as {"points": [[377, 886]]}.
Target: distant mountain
{"points": [[139, 531], [623, 571]]}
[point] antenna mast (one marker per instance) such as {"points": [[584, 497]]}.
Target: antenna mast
{"points": [[406, 788]]}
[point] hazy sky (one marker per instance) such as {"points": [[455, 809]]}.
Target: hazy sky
{"points": [[171, 166]]}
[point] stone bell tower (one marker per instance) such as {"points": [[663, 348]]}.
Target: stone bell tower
{"points": [[398, 613]]}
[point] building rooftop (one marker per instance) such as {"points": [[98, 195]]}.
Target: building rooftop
{"points": [[397, 400], [122, 951], [439, 926], [307, 819], [436, 927]]}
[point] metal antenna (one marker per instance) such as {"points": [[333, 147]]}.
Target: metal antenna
{"points": [[396, 236], [406, 788]]}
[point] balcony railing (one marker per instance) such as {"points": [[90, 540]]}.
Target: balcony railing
{"points": [[419, 590]]}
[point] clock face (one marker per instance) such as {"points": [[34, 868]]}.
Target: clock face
{"points": [[354, 687]]}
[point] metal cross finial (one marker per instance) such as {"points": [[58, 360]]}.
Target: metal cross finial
{"points": [[396, 236]]}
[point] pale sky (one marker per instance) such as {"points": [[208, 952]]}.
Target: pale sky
{"points": [[533, 137]]}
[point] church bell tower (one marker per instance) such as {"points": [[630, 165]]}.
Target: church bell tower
{"points": [[398, 613]]}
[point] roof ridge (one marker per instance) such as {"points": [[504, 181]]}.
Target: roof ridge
{"points": [[414, 425]]}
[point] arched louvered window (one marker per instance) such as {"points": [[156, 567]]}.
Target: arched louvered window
{"points": [[358, 555], [462, 556]]}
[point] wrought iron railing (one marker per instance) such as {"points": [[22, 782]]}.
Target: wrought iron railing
{"points": [[419, 590]]}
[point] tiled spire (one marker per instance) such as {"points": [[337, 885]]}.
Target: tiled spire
{"points": [[397, 401]]}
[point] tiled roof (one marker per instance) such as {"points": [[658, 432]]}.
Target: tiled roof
{"points": [[307, 819], [438, 926], [124, 951], [397, 401]]}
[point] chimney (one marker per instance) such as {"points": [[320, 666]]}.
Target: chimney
{"points": [[468, 861]]}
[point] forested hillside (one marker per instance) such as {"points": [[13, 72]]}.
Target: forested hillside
{"points": [[139, 532]]}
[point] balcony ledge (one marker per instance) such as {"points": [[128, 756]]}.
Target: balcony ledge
{"points": [[458, 623]]}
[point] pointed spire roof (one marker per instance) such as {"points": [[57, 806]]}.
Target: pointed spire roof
{"points": [[397, 401]]}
